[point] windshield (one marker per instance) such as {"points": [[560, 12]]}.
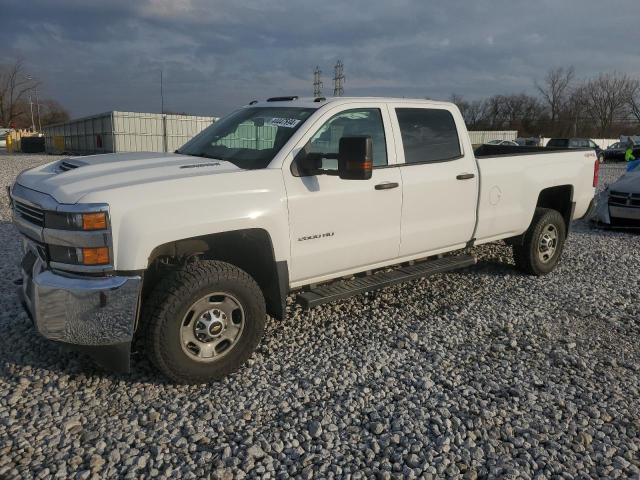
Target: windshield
{"points": [[249, 138]]}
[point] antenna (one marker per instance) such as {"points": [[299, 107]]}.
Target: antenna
{"points": [[338, 79], [317, 83], [161, 94]]}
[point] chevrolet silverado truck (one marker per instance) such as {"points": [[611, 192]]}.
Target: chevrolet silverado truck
{"points": [[186, 253]]}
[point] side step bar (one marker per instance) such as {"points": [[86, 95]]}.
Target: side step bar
{"points": [[348, 288]]}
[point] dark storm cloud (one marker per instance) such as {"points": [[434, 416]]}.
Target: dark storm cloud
{"points": [[100, 56]]}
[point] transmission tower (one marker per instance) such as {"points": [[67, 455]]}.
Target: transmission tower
{"points": [[317, 83], [338, 79]]}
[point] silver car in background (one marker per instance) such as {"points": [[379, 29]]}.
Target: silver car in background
{"points": [[3, 136], [618, 205]]}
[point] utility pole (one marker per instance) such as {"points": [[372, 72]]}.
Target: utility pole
{"points": [[338, 79], [317, 83], [33, 123], [38, 111]]}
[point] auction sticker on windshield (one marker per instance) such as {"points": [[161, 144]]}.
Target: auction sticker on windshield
{"points": [[284, 122]]}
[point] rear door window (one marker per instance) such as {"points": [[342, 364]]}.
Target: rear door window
{"points": [[558, 142], [428, 135], [579, 143]]}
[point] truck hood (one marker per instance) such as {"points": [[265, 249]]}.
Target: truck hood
{"points": [[628, 183], [69, 179]]}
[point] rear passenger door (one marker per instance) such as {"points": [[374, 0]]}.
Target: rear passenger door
{"points": [[439, 178]]}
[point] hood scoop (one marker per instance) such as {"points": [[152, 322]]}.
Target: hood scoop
{"points": [[66, 165]]}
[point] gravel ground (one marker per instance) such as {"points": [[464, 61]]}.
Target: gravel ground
{"points": [[482, 373]]}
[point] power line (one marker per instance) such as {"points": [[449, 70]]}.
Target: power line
{"points": [[338, 79], [317, 83]]}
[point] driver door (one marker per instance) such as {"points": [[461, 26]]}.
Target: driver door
{"points": [[344, 226]]}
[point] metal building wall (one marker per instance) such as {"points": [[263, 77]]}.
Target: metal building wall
{"points": [[182, 128], [124, 132], [85, 135], [479, 137]]}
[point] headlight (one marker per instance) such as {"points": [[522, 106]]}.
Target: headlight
{"points": [[76, 221]]}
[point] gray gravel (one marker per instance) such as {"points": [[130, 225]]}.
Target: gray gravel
{"points": [[475, 374]]}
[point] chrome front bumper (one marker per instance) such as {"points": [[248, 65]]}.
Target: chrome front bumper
{"points": [[96, 314]]}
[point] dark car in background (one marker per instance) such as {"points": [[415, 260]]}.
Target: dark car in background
{"points": [[576, 143], [616, 151]]}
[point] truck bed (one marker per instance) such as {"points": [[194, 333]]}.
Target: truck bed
{"points": [[513, 177], [484, 151]]}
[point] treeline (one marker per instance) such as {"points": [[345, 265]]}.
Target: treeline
{"points": [[606, 106], [18, 100]]}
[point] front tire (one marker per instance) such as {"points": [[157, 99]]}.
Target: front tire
{"points": [[542, 244], [202, 322]]}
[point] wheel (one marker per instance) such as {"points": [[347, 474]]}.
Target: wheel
{"points": [[203, 322], [542, 244]]}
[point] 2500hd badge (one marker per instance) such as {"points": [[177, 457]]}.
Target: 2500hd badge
{"points": [[317, 235]]}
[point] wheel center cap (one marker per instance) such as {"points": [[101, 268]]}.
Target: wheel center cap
{"points": [[216, 327], [546, 243]]}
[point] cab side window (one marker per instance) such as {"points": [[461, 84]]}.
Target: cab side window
{"points": [[428, 135], [350, 123]]}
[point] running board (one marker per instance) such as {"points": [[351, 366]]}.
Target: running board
{"points": [[347, 288]]}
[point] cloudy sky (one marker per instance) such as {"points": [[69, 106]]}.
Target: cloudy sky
{"points": [[96, 56]]}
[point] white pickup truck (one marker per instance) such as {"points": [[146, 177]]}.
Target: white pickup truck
{"points": [[187, 252]]}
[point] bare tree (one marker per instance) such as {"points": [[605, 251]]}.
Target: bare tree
{"points": [[473, 111], [602, 106], [14, 86], [475, 114], [52, 112], [495, 116], [574, 114], [555, 90], [606, 98], [460, 102], [634, 100]]}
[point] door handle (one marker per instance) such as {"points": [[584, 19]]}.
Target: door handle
{"points": [[465, 176], [387, 185]]}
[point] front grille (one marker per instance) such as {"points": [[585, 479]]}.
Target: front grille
{"points": [[31, 214], [66, 166], [622, 199]]}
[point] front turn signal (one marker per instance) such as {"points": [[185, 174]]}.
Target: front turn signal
{"points": [[95, 256]]}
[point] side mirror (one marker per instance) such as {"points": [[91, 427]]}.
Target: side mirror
{"points": [[307, 164], [355, 158]]}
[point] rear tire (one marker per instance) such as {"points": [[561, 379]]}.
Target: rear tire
{"points": [[202, 322], [542, 244]]}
